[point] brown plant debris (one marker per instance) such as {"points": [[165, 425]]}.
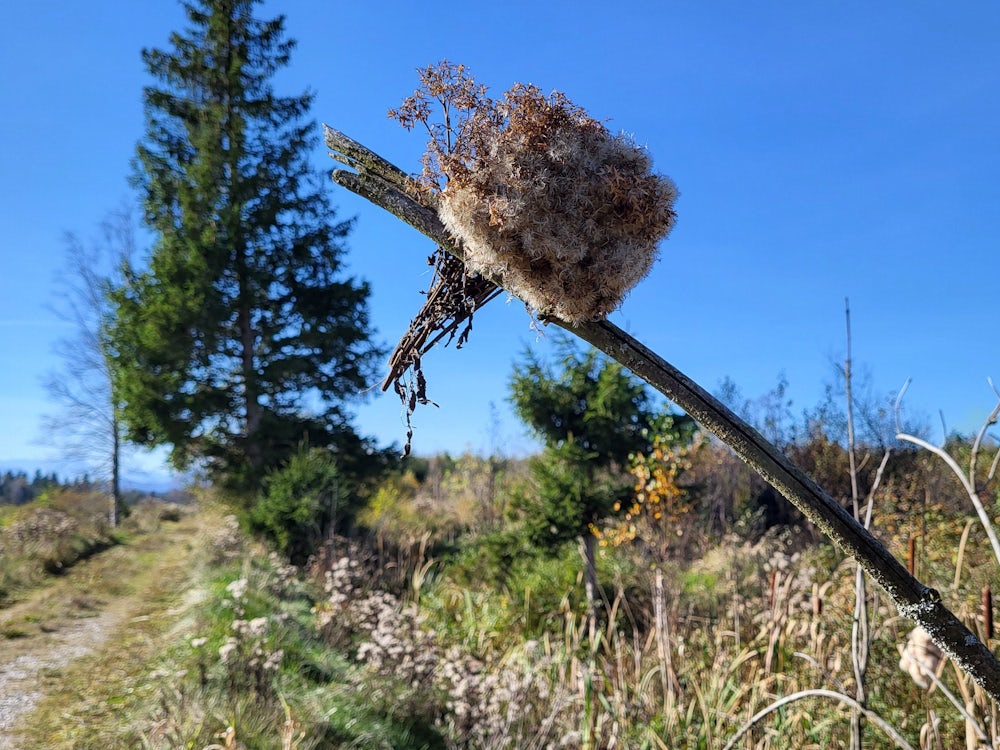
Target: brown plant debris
{"points": [[452, 299], [545, 201]]}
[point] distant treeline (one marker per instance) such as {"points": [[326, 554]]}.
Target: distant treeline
{"points": [[17, 488]]}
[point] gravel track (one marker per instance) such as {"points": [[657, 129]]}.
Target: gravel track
{"points": [[84, 611], [19, 675]]}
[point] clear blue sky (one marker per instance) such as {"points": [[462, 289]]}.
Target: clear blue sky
{"points": [[822, 150]]}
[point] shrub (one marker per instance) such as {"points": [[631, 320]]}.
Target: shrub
{"points": [[489, 558], [300, 504], [51, 534]]}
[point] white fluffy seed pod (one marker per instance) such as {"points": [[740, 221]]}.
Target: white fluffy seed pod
{"points": [[920, 656], [561, 212]]}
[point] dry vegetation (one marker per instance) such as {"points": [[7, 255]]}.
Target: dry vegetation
{"points": [[443, 629], [62, 527], [546, 200]]}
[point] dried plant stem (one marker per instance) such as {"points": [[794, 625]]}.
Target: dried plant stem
{"points": [[912, 598], [989, 422], [873, 717], [860, 643], [932, 675], [968, 480], [960, 558], [822, 670]]}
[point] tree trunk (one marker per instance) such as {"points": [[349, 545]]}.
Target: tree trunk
{"points": [[116, 490], [251, 392]]}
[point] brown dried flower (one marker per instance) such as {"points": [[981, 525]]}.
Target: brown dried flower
{"points": [[556, 208], [546, 202]]}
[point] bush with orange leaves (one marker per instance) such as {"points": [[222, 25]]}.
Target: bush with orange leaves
{"points": [[662, 504]]}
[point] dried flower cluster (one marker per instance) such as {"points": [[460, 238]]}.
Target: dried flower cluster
{"points": [[393, 642], [546, 201], [559, 210], [251, 656], [492, 705], [226, 541], [921, 656], [503, 703], [41, 526], [45, 539], [250, 630]]}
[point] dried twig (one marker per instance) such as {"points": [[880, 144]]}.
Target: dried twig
{"points": [[454, 294], [912, 598]]}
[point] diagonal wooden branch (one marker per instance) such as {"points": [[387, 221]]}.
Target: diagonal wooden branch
{"points": [[378, 181]]}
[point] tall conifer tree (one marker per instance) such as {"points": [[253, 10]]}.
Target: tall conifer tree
{"points": [[242, 339]]}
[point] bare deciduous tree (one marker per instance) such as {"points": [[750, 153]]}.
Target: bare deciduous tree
{"points": [[86, 428]]}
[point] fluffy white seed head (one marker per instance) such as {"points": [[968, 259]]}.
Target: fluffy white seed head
{"points": [[561, 212]]}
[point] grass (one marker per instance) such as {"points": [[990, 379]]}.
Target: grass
{"points": [[448, 662], [48, 537], [174, 598]]}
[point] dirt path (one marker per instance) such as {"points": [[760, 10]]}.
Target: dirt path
{"points": [[77, 613], [19, 675]]}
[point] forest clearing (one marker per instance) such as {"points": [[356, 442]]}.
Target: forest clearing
{"points": [[440, 628], [649, 565]]}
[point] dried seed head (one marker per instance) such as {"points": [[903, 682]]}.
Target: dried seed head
{"points": [[920, 657], [547, 203], [556, 208]]}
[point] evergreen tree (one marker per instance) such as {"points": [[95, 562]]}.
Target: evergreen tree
{"points": [[242, 339], [592, 415]]}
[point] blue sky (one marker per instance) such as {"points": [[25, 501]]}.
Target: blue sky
{"points": [[822, 150]]}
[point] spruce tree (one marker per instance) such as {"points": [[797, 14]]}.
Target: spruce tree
{"points": [[592, 415], [243, 339]]}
